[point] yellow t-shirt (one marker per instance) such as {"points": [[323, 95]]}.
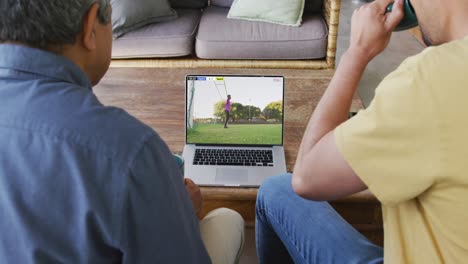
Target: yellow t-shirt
{"points": [[410, 147]]}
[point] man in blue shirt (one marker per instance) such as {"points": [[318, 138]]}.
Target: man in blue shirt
{"points": [[81, 182]]}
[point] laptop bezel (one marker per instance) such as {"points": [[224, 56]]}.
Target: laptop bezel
{"points": [[233, 75]]}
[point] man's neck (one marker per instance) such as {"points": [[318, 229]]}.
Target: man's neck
{"points": [[457, 27]]}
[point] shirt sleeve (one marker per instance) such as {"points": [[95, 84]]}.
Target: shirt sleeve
{"points": [[159, 224], [394, 145]]}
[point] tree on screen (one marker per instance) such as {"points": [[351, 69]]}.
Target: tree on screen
{"points": [[274, 110]]}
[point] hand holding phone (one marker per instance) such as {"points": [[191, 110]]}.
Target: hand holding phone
{"points": [[371, 27], [409, 19]]}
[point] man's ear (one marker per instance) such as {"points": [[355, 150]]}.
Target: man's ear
{"points": [[88, 36]]}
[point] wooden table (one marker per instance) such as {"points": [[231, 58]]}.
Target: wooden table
{"points": [[156, 96]]}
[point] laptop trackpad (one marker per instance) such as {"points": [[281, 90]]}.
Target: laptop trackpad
{"points": [[231, 176]]}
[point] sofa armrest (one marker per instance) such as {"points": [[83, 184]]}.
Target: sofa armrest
{"points": [[331, 13]]}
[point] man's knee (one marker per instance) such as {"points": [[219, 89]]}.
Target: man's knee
{"points": [[273, 186], [223, 233], [224, 215], [272, 190]]}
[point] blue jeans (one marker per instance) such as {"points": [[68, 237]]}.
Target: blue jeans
{"points": [[292, 229]]}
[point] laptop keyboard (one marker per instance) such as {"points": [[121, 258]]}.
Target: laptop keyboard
{"points": [[233, 157]]}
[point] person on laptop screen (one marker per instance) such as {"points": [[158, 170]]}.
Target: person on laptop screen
{"points": [[227, 109], [409, 148]]}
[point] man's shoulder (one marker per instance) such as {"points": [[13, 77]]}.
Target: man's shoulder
{"points": [[432, 70], [104, 130], [71, 114], [449, 58], [111, 129]]}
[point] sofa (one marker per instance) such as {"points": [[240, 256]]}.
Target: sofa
{"points": [[205, 37]]}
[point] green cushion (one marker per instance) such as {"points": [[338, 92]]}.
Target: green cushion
{"points": [[128, 15], [283, 12]]}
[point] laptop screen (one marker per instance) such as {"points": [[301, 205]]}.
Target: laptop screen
{"points": [[234, 110]]}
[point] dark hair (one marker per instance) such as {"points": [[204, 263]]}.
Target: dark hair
{"points": [[46, 23]]}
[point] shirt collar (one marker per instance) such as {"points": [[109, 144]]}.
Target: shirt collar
{"points": [[36, 61]]}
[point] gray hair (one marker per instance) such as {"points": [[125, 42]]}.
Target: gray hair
{"points": [[46, 23]]}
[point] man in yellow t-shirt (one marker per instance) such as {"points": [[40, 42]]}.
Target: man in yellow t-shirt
{"points": [[409, 148]]}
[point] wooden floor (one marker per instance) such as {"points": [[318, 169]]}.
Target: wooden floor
{"points": [[156, 97]]}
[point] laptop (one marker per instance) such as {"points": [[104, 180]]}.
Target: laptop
{"points": [[234, 129]]}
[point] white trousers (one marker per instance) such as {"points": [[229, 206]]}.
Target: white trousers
{"points": [[222, 231]]}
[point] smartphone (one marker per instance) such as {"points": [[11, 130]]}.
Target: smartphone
{"points": [[409, 20]]}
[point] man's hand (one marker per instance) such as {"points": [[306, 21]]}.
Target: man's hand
{"points": [[195, 195], [371, 27]]}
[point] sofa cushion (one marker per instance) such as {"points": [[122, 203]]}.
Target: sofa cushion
{"points": [[222, 38], [166, 39], [283, 12], [311, 6], [128, 15], [189, 3]]}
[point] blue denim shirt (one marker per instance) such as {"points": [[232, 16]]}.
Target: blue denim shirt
{"points": [[81, 182]]}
